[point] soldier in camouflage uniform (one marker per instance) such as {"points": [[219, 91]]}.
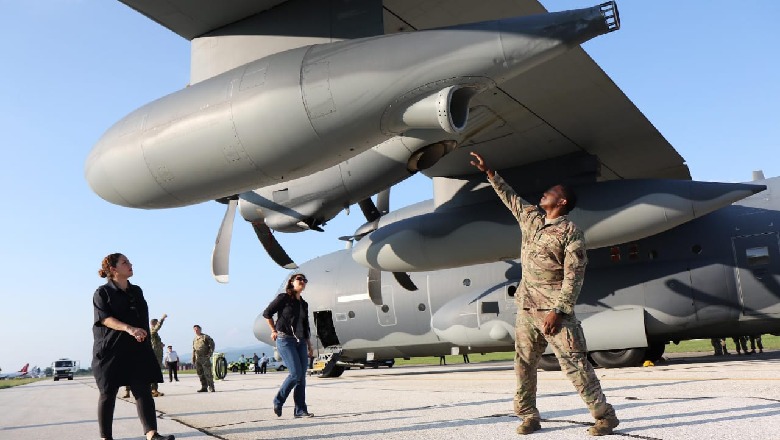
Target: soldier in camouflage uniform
{"points": [[553, 261], [157, 347], [202, 349]]}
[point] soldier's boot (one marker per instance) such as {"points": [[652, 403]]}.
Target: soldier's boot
{"points": [[528, 426], [211, 388], [127, 393], [604, 426], [156, 393]]}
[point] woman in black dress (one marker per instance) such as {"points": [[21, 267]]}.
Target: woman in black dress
{"points": [[122, 352]]}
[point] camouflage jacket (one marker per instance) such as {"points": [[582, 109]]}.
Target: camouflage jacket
{"points": [[157, 344], [202, 346], [552, 255]]}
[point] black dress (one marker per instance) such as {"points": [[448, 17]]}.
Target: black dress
{"points": [[117, 358]]}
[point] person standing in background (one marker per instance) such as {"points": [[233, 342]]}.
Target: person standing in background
{"points": [[172, 362], [157, 346], [202, 350]]}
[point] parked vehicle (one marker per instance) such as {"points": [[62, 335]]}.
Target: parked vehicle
{"points": [[63, 368]]}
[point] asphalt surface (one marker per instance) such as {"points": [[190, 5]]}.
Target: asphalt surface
{"points": [[732, 397]]}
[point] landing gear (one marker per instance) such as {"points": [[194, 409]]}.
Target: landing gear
{"points": [[655, 351], [629, 357]]}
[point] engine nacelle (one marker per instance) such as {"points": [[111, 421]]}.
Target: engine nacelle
{"points": [[310, 201]]}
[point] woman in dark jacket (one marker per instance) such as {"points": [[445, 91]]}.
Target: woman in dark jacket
{"points": [[122, 352], [291, 333]]}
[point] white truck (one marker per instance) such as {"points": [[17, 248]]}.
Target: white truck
{"points": [[64, 367]]}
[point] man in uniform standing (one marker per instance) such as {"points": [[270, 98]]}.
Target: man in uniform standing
{"points": [[157, 347], [202, 349], [553, 261]]}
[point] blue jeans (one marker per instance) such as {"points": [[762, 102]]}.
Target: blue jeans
{"points": [[295, 355]]}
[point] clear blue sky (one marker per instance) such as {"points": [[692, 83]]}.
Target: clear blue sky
{"points": [[705, 73]]}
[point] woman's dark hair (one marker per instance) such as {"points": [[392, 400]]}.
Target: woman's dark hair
{"points": [[110, 261], [289, 288]]}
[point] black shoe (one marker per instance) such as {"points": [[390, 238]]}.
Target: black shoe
{"points": [[177, 379], [304, 414], [157, 436], [278, 411], [212, 389], [203, 390]]}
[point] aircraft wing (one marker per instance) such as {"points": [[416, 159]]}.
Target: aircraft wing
{"points": [[568, 105], [193, 18]]}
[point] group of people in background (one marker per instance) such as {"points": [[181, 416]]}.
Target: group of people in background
{"points": [[740, 343]]}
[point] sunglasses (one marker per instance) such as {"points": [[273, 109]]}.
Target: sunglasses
{"points": [[301, 279]]}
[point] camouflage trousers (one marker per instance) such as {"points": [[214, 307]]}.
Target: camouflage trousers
{"points": [[203, 368], [158, 353], [569, 347]]}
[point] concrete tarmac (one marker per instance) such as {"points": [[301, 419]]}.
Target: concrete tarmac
{"points": [[733, 397]]}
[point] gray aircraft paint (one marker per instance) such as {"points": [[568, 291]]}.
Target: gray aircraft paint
{"points": [[251, 126], [312, 200], [609, 213], [715, 276]]}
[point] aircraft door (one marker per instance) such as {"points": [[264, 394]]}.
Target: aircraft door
{"points": [[386, 311], [326, 332], [757, 259]]}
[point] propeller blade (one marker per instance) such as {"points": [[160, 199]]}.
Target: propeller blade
{"points": [[383, 201], [220, 258], [272, 246], [405, 281], [375, 286], [369, 209]]}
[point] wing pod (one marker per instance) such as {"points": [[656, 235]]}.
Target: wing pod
{"points": [[300, 111], [609, 213]]}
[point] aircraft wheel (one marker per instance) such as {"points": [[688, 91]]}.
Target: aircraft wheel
{"points": [[629, 357], [337, 371], [70, 377], [655, 351], [220, 368], [548, 362], [56, 378]]}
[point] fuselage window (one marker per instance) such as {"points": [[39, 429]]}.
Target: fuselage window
{"points": [[696, 249], [466, 282], [351, 314], [421, 307], [511, 290], [633, 251], [757, 256], [385, 308]]}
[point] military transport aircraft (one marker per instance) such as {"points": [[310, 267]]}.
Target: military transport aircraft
{"points": [[297, 109], [716, 276]]}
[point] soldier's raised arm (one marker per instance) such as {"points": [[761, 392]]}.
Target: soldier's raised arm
{"points": [[516, 204]]}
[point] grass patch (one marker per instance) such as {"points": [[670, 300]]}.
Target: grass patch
{"points": [[8, 383], [770, 342]]}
